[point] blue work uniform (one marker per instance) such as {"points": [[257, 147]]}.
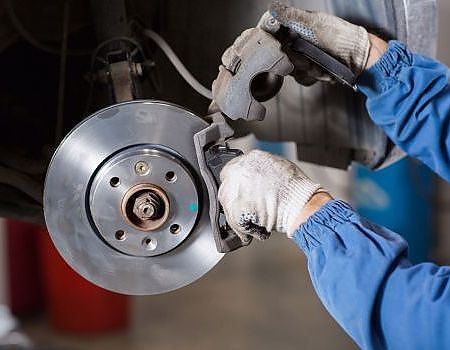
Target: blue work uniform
{"points": [[360, 270]]}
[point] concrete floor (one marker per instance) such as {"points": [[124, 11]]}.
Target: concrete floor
{"points": [[257, 298]]}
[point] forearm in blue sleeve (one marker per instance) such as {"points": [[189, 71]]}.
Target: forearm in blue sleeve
{"points": [[408, 96], [362, 276]]}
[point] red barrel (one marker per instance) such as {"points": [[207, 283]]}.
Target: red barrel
{"points": [[74, 304], [23, 269]]}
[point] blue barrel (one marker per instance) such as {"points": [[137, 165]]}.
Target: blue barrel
{"points": [[278, 148], [398, 197]]}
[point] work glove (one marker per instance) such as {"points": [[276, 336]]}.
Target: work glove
{"points": [[261, 192], [346, 42]]}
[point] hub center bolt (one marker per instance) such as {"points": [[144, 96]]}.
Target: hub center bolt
{"points": [[148, 206]]}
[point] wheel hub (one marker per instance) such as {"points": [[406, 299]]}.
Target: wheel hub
{"points": [[143, 191]]}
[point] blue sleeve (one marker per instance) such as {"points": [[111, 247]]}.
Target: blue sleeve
{"points": [[362, 276], [408, 96]]}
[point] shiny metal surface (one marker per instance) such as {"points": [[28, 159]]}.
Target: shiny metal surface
{"points": [[107, 203], [81, 199]]}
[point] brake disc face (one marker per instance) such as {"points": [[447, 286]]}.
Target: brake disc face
{"points": [[124, 202]]}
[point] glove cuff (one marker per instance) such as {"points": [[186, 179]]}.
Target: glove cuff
{"points": [[293, 198], [353, 46]]}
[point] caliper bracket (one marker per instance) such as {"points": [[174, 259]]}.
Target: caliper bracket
{"points": [[213, 153]]}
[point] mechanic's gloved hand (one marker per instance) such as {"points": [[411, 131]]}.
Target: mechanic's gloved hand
{"points": [[261, 192], [347, 42]]}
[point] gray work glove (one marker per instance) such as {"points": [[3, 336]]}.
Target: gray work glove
{"points": [[346, 42], [261, 192]]}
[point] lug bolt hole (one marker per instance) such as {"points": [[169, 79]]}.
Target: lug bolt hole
{"points": [[175, 229], [149, 244], [114, 182], [171, 176], [120, 235]]}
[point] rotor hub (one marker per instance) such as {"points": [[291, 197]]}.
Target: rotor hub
{"points": [[143, 204]]}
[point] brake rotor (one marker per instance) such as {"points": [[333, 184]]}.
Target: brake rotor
{"points": [[124, 203]]}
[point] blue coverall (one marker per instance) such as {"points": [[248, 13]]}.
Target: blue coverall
{"points": [[360, 270]]}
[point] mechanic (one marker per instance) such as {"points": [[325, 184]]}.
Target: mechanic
{"points": [[359, 270]]}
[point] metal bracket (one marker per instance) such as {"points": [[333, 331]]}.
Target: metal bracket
{"points": [[328, 63], [213, 154]]}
